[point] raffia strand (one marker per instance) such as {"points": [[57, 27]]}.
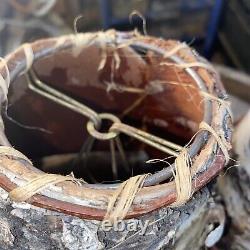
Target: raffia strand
{"points": [[220, 140], [182, 178], [122, 199], [23, 193], [175, 49], [5, 82], [29, 55]]}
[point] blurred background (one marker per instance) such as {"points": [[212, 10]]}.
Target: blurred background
{"points": [[209, 25], [218, 29]]}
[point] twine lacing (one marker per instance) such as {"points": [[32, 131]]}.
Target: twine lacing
{"points": [[23, 193], [29, 55], [224, 145], [123, 197], [4, 83]]}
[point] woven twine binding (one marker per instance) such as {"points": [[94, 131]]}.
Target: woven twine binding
{"points": [[122, 199]]}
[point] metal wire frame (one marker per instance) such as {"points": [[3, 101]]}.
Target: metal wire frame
{"points": [[148, 199], [193, 149]]}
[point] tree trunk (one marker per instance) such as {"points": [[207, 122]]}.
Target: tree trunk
{"points": [[24, 226]]}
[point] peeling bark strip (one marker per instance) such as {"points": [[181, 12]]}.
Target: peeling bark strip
{"points": [[91, 201]]}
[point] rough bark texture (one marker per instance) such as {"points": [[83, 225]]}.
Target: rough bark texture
{"points": [[27, 227], [235, 191], [234, 188]]}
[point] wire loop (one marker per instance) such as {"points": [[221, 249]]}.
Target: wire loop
{"points": [[103, 136]]}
